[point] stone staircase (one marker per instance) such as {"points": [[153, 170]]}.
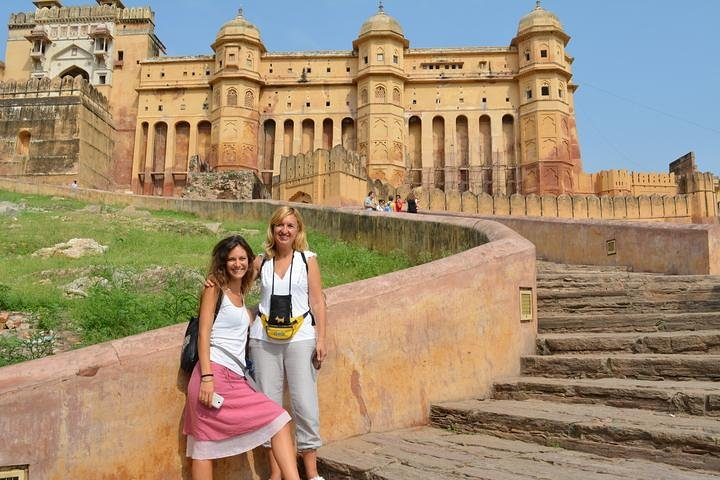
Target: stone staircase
{"points": [[625, 385]]}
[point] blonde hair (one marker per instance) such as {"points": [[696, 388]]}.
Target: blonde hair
{"points": [[278, 216]]}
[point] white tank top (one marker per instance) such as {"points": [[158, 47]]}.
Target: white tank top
{"points": [[230, 332], [299, 289]]}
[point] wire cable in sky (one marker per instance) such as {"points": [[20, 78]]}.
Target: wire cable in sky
{"points": [[653, 109]]}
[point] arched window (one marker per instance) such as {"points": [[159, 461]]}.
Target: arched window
{"points": [[249, 61], [232, 98], [23, 143], [363, 96], [380, 55], [249, 99], [380, 93], [396, 95]]}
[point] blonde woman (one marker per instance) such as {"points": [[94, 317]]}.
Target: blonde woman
{"points": [[290, 278]]}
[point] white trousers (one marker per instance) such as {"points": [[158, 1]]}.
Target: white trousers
{"points": [[276, 362]]}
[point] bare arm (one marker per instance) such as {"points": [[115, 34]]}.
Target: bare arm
{"points": [[317, 306], [207, 316]]}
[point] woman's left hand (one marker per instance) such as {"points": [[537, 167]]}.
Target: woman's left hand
{"points": [[321, 350]]}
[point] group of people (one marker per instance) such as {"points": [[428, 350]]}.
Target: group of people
{"points": [[286, 342], [370, 203]]}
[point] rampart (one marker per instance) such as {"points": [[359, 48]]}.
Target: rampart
{"points": [[53, 131], [699, 205], [335, 177], [439, 331], [80, 14]]}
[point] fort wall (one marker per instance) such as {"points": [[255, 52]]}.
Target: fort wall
{"points": [[114, 409], [54, 131]]}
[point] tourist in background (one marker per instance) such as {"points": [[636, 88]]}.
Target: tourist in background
{"points": [[289, 268], [398, 203], [412, 203], [244, 418], [369, 202]]}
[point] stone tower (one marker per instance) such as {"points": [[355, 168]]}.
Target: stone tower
{"points": [[550, 156], [235, 93], [381, 76]]}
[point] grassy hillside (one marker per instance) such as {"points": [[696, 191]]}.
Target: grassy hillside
{"points": [[149, 276]]}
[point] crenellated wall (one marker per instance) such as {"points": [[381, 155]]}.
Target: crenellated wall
{"points": [[55, 131], [699, 205], [334, 178], [114, 410]]}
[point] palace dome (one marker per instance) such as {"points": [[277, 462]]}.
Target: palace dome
{"points": [[539, 17], [381, 22], [239, 26]]}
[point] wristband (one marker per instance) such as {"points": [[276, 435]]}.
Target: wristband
{"points": [[206, 375], [206, 381]]}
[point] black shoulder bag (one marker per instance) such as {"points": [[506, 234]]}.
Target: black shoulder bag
{"points": [[189, 352]]}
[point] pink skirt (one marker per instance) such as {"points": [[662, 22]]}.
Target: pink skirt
{"points": [[245, 420]]}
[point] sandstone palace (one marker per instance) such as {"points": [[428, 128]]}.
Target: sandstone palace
{"points": [[87, 93]]}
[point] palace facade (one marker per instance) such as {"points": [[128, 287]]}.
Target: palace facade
{"points": [[484, 120]]}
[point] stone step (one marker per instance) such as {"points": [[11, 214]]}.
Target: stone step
{"points": [[427, 453], [639, 366], [545, 266], [687, 441], [625, 303], [690, 397], [704, 341], [629, 322]]}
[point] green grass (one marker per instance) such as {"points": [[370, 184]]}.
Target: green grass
{"points": [[149, 277]]}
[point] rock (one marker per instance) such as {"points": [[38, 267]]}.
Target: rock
{"points": [[10, 324], [74, 248], [213, 227], [9, 208], [131, 211], [91, 209], [80, 286]]}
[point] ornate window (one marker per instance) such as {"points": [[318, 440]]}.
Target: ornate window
{"points": [[380, 93], [232, 98], [380, 55], [249, 99], [363, 96], [396, 95]]}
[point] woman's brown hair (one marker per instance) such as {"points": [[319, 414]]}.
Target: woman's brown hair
{"points": [[218, 263]]}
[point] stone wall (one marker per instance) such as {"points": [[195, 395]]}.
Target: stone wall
{"points": [[54, 131], [396, 345], [334, 177], [699, 205]]}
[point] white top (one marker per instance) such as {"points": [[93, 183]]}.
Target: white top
{"points": [[300, 297], [230, 332]]}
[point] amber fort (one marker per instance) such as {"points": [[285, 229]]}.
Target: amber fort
{"points": [[88, 93]]}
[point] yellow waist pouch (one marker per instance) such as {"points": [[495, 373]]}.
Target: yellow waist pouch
{"points": [[280, 328]]}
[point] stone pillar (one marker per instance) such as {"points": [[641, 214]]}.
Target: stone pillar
{"points": [[318, 135], [337, 131], [428, 173], [297, 137], [499, 160], [168, 180], [451, 160], [279, 146], [193, 143], [149, 160]]}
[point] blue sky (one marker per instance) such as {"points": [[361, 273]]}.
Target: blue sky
{"points": [[648, 70]]}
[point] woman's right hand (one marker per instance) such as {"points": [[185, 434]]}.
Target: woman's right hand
{"points": [[209, 283], [206, 392]]}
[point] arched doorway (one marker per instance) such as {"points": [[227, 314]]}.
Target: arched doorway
{"points": [[75, 71]]}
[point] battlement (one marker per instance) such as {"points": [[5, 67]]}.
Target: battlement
{"points": [[56, 87], [81, 14]]}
